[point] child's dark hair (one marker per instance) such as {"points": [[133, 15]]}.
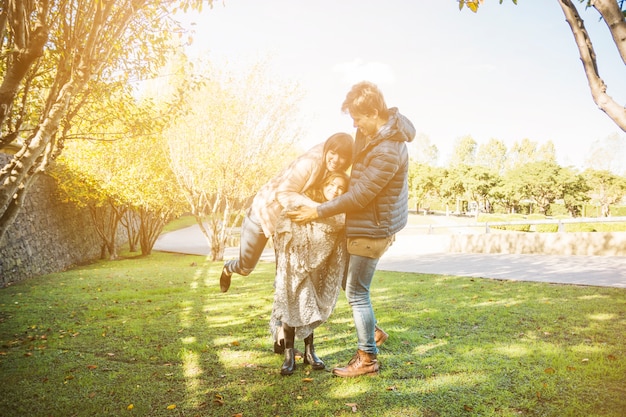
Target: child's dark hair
{"points": [[316, 193]]}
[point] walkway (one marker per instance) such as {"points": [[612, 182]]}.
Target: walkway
{"points": [[414, 251]]}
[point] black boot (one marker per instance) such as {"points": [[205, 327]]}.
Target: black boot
{"points": [[290, 358], [310, 358], [290, 362]]}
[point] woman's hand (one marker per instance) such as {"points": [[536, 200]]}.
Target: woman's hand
{"points": [[303, 214]]}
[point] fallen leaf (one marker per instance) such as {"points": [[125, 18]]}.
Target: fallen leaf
{"points": [[392, 388], [585, 360], [92, 366], [130, 407], [611, 358], [92, 394], [307, 379], [234, 343], [352, 406], [549, 370], [171, 406], [468, 408]]}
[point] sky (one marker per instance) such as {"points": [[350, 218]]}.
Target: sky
{"points": [[508, 72]]}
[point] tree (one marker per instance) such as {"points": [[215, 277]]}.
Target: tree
{"points": [[464, 152], [452, 186], [64, 51], [575, 191], [606, 188], [528, 151], [422, 150], [541, 183], [129, 179], [424, 182], [613, 13], [480, 183], [237, 132], [608, 154], [492, 155]]}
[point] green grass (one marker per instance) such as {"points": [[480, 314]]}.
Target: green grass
{"points": [[156, 332]]}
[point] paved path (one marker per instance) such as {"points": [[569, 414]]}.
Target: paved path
{"points": [[417, 252]]}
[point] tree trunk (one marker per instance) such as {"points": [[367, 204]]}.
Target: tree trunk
{"points": [[150, 227], [612, 14]]}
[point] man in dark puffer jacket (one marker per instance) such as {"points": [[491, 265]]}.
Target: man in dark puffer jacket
{"points": [[376, 207]]}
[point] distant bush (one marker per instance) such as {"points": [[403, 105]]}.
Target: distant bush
{"points": [[546, 228], [618, 211], [581, 227], [558, 210]]}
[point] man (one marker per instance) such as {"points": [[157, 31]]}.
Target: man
{"points": [[376, 207]]}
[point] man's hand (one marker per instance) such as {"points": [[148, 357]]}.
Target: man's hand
{"points": [[303, 214]]}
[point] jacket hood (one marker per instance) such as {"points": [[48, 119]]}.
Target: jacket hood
{"points": [[397, 128]]}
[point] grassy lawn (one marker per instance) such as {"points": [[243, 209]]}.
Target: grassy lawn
{"points": [[155, 337]]}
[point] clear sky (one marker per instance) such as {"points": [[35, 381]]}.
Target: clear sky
{"points": [[508, 72]]}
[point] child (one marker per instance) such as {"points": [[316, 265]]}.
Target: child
{"points": [[311, 261]]}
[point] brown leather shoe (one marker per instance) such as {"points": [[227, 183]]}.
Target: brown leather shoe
{"points": [[380, 336], [225, 279], [362, 363]]}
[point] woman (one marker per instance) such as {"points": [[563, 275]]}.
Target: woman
{"points": [[285, 190], [311, 262]]}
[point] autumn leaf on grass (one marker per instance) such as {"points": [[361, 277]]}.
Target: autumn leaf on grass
{"points": [[611, 358], [352, 406], [130, 407], [549, 370], [171, 406], [307, 379], [219, 399], [92, 366]]}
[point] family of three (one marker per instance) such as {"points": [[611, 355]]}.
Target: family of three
{"points": [[330, 229]]}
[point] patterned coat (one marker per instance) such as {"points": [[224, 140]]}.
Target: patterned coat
{"points": [[311, 262]]}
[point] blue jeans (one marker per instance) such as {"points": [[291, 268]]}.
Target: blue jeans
{"points": [[360, 274], [251, 245]]}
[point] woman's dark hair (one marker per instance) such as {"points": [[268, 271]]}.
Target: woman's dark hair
{"points": [[342, 144]]}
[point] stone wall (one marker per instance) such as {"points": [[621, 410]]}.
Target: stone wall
{"points": [[47, 235], [579, 244]]}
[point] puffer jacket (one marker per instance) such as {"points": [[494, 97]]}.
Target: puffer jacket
{"points": [[376, 203]]}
